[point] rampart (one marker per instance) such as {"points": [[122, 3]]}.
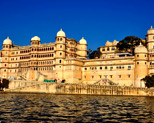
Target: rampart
{"points": [[68, 88]]}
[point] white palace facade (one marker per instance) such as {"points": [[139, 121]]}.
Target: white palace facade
{"points": [[67, 59]]}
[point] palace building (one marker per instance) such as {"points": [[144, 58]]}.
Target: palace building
{"points": [[67, 59]]}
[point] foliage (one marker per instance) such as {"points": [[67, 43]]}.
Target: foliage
{"points": [[94, 54], [149, 81], [4, 84], [129, 43], [89, 52]]}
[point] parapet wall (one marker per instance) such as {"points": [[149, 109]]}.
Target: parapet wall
{"points": [[69, 88]]}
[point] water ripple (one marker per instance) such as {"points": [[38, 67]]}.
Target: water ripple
{"points": [[44, 108]]}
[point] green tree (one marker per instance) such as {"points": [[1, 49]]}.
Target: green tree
{"points": [[94, 54], [128, 44], [149, 81], [89, 52]]}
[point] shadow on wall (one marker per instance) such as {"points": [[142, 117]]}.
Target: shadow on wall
{"points": [[4, 83]]}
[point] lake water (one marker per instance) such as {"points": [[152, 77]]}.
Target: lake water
{"points": [[46, 108]]}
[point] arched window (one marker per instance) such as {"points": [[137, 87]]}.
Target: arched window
{"points": [[59, 61]]}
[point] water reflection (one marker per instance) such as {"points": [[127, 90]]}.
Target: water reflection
{"points": [[75, 108]]}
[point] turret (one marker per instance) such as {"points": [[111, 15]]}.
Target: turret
{"points": [[60, 53], [150, 38], [35, 41], [141, 65], [7, 45], [82, 48]]}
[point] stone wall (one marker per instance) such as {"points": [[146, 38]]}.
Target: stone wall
{"points": [[68, 88]]}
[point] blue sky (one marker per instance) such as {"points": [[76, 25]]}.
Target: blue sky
{"points": [[96, 20]]}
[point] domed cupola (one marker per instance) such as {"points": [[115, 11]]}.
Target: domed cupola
{"points": [[141, 49], [35, 41], [35, 38], [150, 31], [83, 41], [108, 43], [61, 33], [7, 41]]}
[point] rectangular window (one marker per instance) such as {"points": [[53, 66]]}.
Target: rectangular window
{"points": [[103, 49], [129, 67], [128, 76]]}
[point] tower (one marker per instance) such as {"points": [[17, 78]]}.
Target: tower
{"points": [[33, 70], [150, 38], [60, 54], [7, 45], [141, 65], [82, 48]]}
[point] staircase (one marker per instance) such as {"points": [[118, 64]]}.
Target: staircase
{"points": [[106, 81]]}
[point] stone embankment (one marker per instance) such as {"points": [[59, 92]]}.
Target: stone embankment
{"points": [[68, 88]]}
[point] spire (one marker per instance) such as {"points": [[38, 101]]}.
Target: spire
{"points": [[82, 37], [61, 29], [151, 27], [140, 43], [7, 37]]}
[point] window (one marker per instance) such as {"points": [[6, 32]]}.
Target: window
{"points": [[60, 39], [119, 76], [145, 55], [85, 77], [129, 76], [105, 67], [129, 67], [111, 68], [60, 46], [85, 68], [60, 53], [113, 48], [100, 76], [103, 49], [137, 62], [100, 68], [108, 49], [137, 55], [145, 63], [92, 77], [111, 76], [59, 61]]}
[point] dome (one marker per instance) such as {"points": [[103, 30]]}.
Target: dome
{"points": [[35, 38], [61, 33], [150, 31], [7, 41], [83, 41], [108, 43], [115, 42], [141, 49]]}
